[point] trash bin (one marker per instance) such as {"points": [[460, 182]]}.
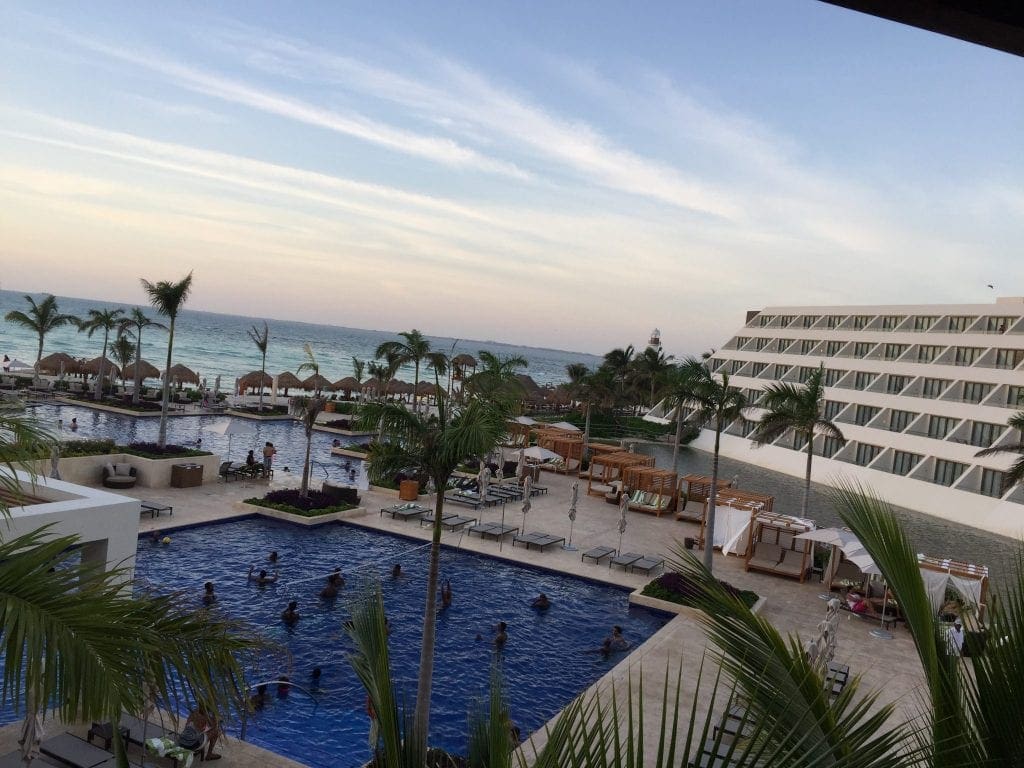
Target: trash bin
{"points": [[186, 475], [409, 490]]}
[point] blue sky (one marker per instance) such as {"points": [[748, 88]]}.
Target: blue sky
{"points": [[566, 175]]}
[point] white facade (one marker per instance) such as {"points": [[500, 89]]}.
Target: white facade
{"points": [[917, 391]]}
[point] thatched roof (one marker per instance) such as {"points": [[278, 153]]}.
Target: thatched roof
{"points": [[399, 387], [425, 388], [370, 384], [52, 363], [255, 379], [530, 387], [93, 367], [149, 371], [183, 374], [288, 380], [348, 384], [318, 383], [464, 360]]}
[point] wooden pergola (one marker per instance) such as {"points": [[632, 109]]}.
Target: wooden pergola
{"points": [[965, 573], [662, 482], [698, 487], [568, 445], [612, 465], [797, 555]]}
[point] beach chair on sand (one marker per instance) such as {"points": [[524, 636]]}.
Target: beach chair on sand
{"points": [[597, 554]]}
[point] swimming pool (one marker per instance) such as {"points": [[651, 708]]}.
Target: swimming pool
{"points": [[545, 663], [287, 436]]}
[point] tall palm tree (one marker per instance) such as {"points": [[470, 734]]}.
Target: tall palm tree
{"points": [[168, 298], [800, 407], [135, 323], [413, 350], [262, 340], [716, 404], [678, 392], [649, 370], [311, 408], [74, 637], [618, 362], [104, 320], [379, 371], [358, 366], [41, 318], [495, 377], [578, 389], [431, 446], [123, 351], [1015, 474]]}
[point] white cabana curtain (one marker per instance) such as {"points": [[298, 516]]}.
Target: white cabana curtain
{"points": [[732, 529], [969, 588], [935, 587]]}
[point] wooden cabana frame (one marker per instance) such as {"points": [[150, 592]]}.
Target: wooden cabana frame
{"points": [[659, 486], [774, 536], [960, 570], [568, 446], [698, 487], [611, 465]]}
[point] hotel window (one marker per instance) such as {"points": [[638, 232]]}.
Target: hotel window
{"points": [[924, 322], [715, 364], [806, 345], [940, 426], [761, 343], [789, 346], [808, 320], [893, 351], [998, 324], [1015, 396], [975, 392], [959, 323], [834, 321], [866, 453], [1008, 358], [832, 348], [966, 355], [756, 369], [896, 384], [889, 322], [903, 462], [830, 447], [861, 348], [735, 365], [859, 321], [805, 373], [785, 320], [863, 379], [933, 387], [749, 426], [926, 353], [991, 483], [864, 414], [782, 370], [983, 434], [799, 441], [947, 472], [741, 340], [832, 375], [900, 420], [832, 409], [763, 320]]}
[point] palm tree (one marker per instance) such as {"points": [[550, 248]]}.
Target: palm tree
{"points": [[168, 298], [618, 362], [800, 407], [74, 637], [1015, 474], [678, 393], [413, 350], [41, 318], [123, 351], [431, 446], [649, 369], [495, 378], [379, 371], [104, 320], [311, 408], [134, 324], [716, 403], [261, 339], [358, 366]]}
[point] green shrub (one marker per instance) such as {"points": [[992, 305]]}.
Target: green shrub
{"points": [[86, 447], [293, 510]]}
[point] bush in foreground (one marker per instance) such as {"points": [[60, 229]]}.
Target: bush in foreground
{"points": [[288, 500]]}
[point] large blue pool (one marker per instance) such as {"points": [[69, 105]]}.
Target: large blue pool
{"points": [[545, 663]]}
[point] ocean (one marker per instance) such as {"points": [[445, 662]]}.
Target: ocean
{"points": [[214, 345]]}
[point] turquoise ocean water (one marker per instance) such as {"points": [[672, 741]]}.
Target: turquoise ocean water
{"points": [[217, 345]]}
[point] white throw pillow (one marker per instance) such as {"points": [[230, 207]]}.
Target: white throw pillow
{"points": [[123, 470], [109, 468]]}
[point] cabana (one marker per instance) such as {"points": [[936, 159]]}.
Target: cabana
{"points": [[733, 513], [567, 445], [698, 489], [611, 465], [653, 490], [968, 580], [773, 548]]}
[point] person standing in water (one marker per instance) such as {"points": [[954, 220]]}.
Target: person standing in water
{"points": [[268, 458]]}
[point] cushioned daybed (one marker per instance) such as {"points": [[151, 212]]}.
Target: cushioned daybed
{"points": [[119, 476]]}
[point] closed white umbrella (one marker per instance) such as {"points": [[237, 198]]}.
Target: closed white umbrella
{"points": [[55, 462], [574, 496], [623, 509], [527, 495], [521, 464], [230, 427], [483, 478]]}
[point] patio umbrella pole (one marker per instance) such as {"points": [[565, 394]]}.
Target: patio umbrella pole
{"points": [[501, 539], [882, 633]]}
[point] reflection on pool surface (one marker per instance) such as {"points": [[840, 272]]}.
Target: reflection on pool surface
{"points": [[545, 663]]}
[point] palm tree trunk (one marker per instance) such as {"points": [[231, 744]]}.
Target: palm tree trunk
{"points": [[304, 492], [415, 383], [709, 525], [161, 439], [137, 384], [586, 431], [679, 439], [39, 353], [807, 475], [98, 390], [263, 375], [421, 717]]}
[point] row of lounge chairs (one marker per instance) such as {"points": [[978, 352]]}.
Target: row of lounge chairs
{"points": [[628, 561]]}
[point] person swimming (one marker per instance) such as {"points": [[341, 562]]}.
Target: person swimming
{"points": [[259, 699], [290, 615], [314, 679], [446, 594], [396, 572], [273, 557], [502, 635], [209, 598], [616, 641], [283, 687], [262, 578], [541, 602]]}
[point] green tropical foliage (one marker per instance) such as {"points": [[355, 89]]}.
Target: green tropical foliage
{"points": [[168, 298], [133, 325], [801, 408], [262, 340], [495, 378], [104, 320], [310, 409], [415, 348], [123, 352], [1015, 475], [40, 318]]}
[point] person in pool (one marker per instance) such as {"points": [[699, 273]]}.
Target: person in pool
{"points": [[616, 641], [209, 598], [283, 687], [541, 602], [262, 578], [446, 594], [273, 557], [259, 699], [314, 679], [502, 635], [396, 572], [290, 615], [335, 582]]}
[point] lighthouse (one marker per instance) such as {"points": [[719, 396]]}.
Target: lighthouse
{"points": [[655, 340]]}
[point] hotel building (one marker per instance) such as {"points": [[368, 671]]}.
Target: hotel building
{"points": [[917, 391]]}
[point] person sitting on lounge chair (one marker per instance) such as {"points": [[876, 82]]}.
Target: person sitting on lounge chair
{"points": [[262, 578], [858, 603], [206, 724]]}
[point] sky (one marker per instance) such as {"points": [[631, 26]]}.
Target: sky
{"points": [[567, 175]]}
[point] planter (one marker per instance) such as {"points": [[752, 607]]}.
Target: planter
{"points": [[151, 473], [408, 490]]}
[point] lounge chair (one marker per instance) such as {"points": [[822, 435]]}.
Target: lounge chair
{"points": [[139, 729], [647, 564], [625, 560], [765, 556], [13, 760], [598, 553], [404, 511], [74, 751], [120, 475], [792, 564], [493, 530], [228, 471], [537, 539]]}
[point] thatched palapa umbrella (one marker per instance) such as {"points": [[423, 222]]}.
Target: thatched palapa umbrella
{"points": [[424, 389], [183, 375], [370, 386], [93, 367], [317, 383], [254, 380], [149, 371], [347, 385], [287, 380], [460, 363], [57, 362]]}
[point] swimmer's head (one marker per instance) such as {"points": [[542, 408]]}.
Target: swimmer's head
{"points": [[208, 586], [263, 574]]}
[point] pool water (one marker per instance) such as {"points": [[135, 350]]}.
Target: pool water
{"points": [[545, 664]]}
